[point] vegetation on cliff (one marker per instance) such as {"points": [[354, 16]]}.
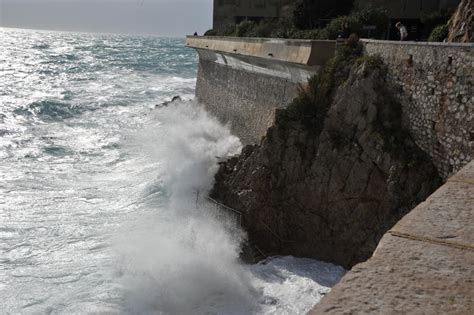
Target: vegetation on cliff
{"points": [[322, 20], [439, 33], [314, 99], [335, 171], [291, 28]]}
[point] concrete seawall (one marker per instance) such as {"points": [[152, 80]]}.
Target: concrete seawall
{"points": [[243, 80], [423, 265]]}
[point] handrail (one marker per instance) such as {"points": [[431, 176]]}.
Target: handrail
{"points": [[241, 215], [259, 250], [217, 203], [223, 205]]}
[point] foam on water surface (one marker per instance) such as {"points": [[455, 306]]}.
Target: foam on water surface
{"points": [[98, 187]]}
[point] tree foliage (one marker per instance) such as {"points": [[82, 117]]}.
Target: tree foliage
{"points": [[439, 33], [309, 14]]}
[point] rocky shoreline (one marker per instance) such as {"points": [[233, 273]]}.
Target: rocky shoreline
{"points": [[334, 173]]}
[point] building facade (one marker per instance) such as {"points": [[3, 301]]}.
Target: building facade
{"points": [[409, 12], [234, 11], [408, 9]]}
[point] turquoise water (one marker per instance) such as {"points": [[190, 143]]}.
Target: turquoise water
{"points": [[98, 187]]}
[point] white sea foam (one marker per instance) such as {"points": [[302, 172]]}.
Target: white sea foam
{"points": [[98, 189], [181, 259]]}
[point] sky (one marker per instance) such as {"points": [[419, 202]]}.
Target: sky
{"points": [[174, 18]]}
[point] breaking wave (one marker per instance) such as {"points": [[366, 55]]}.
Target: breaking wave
{"points": [[102, 195]]}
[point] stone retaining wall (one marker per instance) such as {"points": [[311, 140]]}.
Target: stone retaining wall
{"points": [[243, 80], [246, 100], [435, 88]]}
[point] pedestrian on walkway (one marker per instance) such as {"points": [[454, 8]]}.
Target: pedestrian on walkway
{"points": [[403, 31]]}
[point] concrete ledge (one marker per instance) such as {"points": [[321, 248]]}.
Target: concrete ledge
{"points": [[424, 265], [303, 52], [443, 217], [402, 43], [243, 80]]}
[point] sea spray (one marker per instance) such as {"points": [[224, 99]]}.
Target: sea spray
{"points": [[89, 193], [181, 258]]}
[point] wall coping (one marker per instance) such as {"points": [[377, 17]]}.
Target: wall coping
{"points": [[408, 43], [296, 51], [295, 41], [261, 39]]}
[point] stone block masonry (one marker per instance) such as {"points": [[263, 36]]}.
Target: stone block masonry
{"points": [[423, 265], [435, 89], [243, 80], [243, 99]]}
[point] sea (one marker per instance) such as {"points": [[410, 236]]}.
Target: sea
{"points": [[102, 188]]}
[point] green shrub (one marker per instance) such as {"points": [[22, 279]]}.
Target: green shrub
{"points": [[439, 33], [284, 28], [371, 63], [356, 21], [305, 34], [370, 16], [210, 33], [313, 101], [227, 30], [244, 28], [435, 19], [263, 29]]}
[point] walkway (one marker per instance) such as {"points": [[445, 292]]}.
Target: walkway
{"points": [[424, 265]]}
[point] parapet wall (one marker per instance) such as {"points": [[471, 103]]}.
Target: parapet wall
{"points": [[423, 265], [243, 80], [435, 89]]}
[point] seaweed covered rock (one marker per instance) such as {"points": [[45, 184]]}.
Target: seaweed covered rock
{"points": [[331, 177]]}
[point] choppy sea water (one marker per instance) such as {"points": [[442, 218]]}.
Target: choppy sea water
{"points": [[98, 187]]}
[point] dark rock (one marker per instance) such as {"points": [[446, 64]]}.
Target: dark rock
{"points": [[330, 194], [174, 99]]}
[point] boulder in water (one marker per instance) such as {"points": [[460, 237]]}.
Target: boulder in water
{"points": [[174, 99]]}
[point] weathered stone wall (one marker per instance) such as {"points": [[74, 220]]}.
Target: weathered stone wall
{"points": [[330, 188], [245, 100], [242, 81], [436, 94]]}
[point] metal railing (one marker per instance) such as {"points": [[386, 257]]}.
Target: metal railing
{"points": [[228, 209], [238, 216]]}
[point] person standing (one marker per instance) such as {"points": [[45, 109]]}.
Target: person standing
{"points": [[403, 31]]}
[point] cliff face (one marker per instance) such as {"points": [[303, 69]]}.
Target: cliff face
{"points": [[461, 24], [330, 187]]}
